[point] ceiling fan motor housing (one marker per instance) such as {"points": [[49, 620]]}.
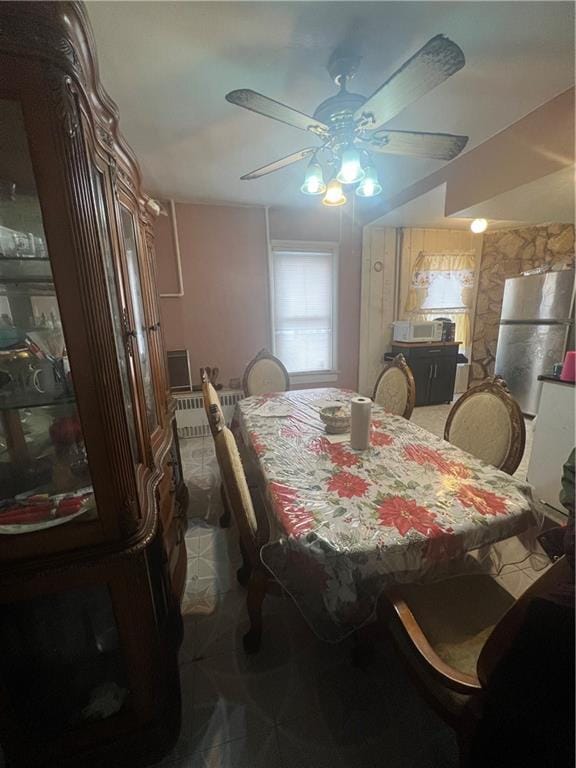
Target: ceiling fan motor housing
{"points": [[339, 110]]}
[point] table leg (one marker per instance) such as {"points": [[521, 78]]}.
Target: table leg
{"points": [[254, 600]]}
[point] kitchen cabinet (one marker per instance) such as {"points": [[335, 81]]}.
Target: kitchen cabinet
{"points": [[92, 500], [433, 366]]}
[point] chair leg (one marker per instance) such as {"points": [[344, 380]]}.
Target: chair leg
{"points": [[245, 571], [225, 516], [254, 599]]}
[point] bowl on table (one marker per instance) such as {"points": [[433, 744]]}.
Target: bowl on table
{"points": [[336, 418]]}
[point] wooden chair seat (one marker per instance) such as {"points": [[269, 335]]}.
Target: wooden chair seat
{"points": [[456, 616], [453, 633]]}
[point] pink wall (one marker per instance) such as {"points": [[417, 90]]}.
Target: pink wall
{"points": [[223, 317]]}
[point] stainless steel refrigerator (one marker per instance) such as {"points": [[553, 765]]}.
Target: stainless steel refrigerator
{"points": [[537, 313]]}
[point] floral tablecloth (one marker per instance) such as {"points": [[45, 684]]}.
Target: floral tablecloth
{"points": [[348, 523]]}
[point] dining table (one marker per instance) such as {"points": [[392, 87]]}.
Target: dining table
{"points": [[346, 524]]}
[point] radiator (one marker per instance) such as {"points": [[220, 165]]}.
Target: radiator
{"points": [[191, 418]]}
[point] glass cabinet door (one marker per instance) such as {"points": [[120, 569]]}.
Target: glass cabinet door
{"points": [[44, 473], [62, 660], [98, 182], [140, 327]]}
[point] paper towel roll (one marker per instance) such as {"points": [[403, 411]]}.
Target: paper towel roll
{"points": [[360, 411]]}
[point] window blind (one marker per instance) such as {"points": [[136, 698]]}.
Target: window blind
{"points": [[303, 309]]}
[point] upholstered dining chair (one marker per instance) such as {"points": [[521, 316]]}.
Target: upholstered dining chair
{"points": [[395, 388], [487, 422], [210, 397], [252, 527], [265, 374], [452, 634]]}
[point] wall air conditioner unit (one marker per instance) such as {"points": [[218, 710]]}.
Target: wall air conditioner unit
{"points": [[191, 418], [179, 370]]}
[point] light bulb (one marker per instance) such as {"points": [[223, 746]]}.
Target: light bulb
{"points": [[334, 195], [370, 185], [478, 226], [351, 170], [313, 180]]}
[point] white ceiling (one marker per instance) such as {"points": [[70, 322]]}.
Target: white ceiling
{"points": [[168, 66]]}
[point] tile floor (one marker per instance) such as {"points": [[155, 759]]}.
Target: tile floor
{"points": [[298, 703]]}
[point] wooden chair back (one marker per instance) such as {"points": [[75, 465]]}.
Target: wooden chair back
{"points": [[487, 422], [559, 574], [395, 388], [265, 374], [236, 486], [210, 397]]}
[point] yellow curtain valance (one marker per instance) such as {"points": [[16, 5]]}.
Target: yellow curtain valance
{"points": [[426, 264]]}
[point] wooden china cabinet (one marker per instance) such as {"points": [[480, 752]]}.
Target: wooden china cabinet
{"points": [[92, 503]]}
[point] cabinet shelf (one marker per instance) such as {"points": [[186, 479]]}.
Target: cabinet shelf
{"points": [[15, 270], [35, 401]]}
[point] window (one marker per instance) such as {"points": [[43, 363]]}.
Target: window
{"points": [[445, 291], [442, 284], [303, 296]]}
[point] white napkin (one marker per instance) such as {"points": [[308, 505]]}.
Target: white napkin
{"points": [[319, 404], [342, 438]]}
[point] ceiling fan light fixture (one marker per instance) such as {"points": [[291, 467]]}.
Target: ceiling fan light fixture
{"points": [[334, 195], [313, 180], [478, 226], [370, 185], [351, 171]]}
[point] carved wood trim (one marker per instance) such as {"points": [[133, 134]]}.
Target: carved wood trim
{"points": [[496, 386], [264, 355], [400, 362]]}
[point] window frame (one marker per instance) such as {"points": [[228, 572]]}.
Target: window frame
{"points": [[307, 246]]}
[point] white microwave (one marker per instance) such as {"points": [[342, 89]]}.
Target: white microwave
{"points": [[417, 330]]}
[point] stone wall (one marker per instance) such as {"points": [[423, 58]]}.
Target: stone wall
{"points": [[508, 253]]}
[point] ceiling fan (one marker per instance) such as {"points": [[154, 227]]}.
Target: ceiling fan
{"points": [[350, 126]]}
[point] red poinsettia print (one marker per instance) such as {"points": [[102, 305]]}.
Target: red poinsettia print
{"points": [[295, 519], [485, 502], [341, 457], [406, 514], [380, 438], [425, 456], [257, 443], [283, 494], [347, 485], [337, 453], [289, 431]]}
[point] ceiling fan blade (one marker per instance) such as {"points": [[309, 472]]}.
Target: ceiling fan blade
{"points": [[255, 102], [431, 65], [278, 164], [439, 146]]}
